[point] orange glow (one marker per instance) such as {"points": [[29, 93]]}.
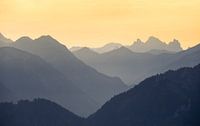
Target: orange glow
{"points": [[97, 22]]}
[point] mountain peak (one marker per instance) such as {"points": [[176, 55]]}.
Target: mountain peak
{"points": [[153, 43], [85, 50], [117, 45], [107, 48], [24, 39], [49, 41], [154, 40], [122, 50], [46, 38], [138, 42], [175, 46], [175, 41]]}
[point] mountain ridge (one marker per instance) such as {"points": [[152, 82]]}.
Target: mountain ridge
{"points": [[170, 98], [86, 78], [152, 43], [133, 67], [33, 77]]}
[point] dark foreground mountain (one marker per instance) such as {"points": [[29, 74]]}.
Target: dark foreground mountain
{"points": [[96, 85], [39, 112], [26, 76], [169, 99], [134, 67]]}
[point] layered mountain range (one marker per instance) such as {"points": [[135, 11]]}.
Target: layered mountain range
{"points": [[168, 99], [171, 98], [153, 45], [43, 83], [133, 67], [45, 62]]}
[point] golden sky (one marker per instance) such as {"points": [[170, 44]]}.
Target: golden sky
{"points": [[97, 22]]}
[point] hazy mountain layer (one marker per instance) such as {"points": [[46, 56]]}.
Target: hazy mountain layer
{"points": [[97, 86], [134, 67], [107, 48], [152, 45], [26, 76], [169, 99]]}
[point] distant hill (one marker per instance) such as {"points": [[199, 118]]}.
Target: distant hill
{"points": [[169, 99], [107, 48], [133, 67], [83, 76], [39, 112], [86, 53], [26, 76]]}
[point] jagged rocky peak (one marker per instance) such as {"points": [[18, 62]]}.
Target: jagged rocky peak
{"points": [[138, 42], [175, 46], [174, 42]]}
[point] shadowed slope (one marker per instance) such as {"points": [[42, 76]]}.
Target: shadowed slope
{"points": [[86, 78], [169, 99], [28, 76]]}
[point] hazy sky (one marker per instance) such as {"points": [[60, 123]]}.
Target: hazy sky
{"points": [[96, 22]]}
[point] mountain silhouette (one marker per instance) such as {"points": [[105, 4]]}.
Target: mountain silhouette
{"points": [[168, 99], [26, 76], [92, 82], [133, 67], [85, 53], [39, 112], [154, 43], [171, 98], [139, 46], [107, 48], [122, 62]]}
